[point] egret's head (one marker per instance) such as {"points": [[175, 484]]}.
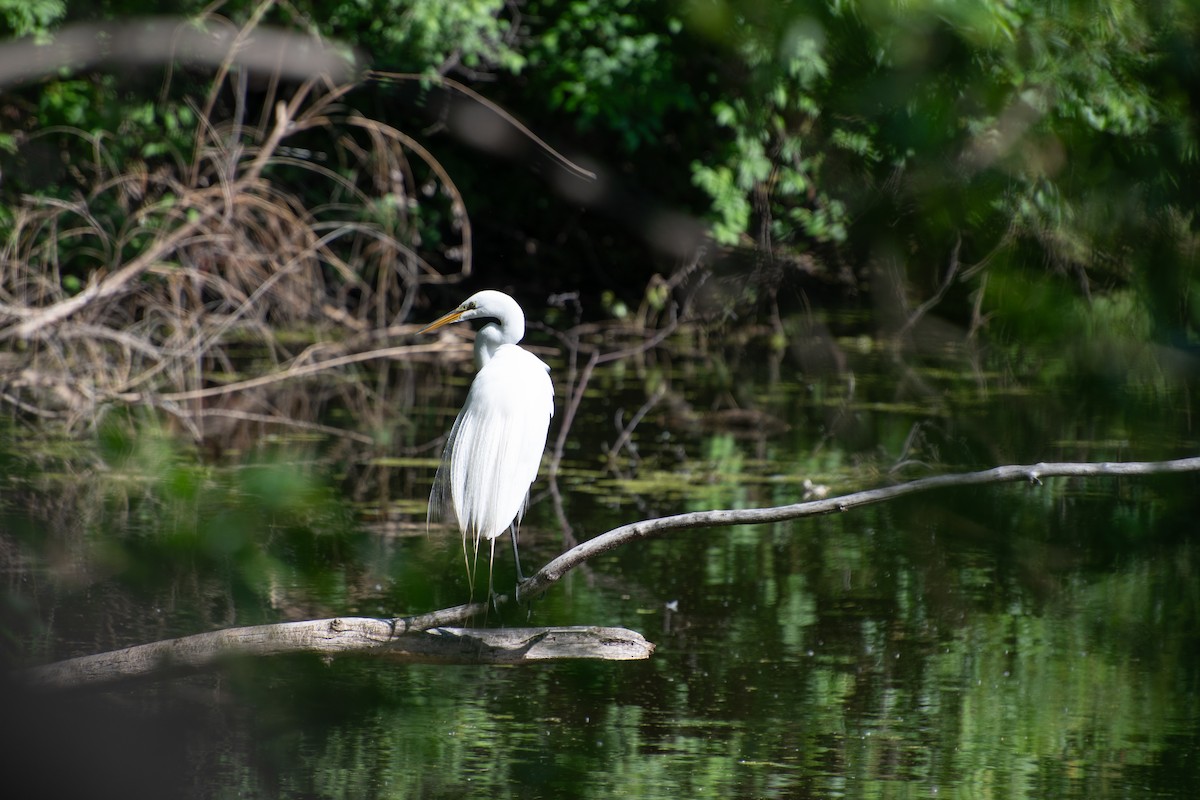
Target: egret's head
{"points": [[487, 304]]}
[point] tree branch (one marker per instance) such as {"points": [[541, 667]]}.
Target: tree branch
{"points": [[550, 574]]}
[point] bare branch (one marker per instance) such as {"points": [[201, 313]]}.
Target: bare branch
{"points": [[550, 574], [290, 374], [117, 281]]}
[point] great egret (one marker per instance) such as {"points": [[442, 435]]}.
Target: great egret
{"points": [[496, 444]]}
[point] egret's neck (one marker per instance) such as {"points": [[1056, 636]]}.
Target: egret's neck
{"points": [[487, 340], [510, 320], [506, 323]]}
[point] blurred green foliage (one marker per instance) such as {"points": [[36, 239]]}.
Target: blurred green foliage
{"points": [[609, 65], [1058, 138], [142, 515], [430, 36], [30, 17], [1052, 135], [247, 516]]}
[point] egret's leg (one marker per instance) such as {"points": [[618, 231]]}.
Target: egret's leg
{"points": [[491, 568], [512, 529]]}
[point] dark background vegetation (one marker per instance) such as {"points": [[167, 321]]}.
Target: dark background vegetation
{"points": [[1037, 162]]}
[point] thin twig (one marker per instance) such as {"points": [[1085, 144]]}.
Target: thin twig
{"points": [[626, 431], [931, 303], [290, 374], [274, 419], [478, 98], [595, 358]]}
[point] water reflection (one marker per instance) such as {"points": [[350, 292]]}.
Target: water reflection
{"points": [[793, 689], [999, 641]]}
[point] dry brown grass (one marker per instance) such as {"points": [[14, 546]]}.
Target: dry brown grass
{"points": [[279, 252]]}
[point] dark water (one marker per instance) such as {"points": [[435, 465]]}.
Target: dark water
{"points": [[997, 641]]}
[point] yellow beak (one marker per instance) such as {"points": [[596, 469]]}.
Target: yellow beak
{"points": [[453, 316]]}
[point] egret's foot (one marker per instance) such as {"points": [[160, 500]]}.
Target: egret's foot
{"points": [[526, 603]]}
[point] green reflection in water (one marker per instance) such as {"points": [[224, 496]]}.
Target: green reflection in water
{"points": [[1004, 641], [850, 666]]}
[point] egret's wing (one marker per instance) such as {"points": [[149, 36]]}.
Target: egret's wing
{"points": [[441, 502], [443, 507], [530, 441]]}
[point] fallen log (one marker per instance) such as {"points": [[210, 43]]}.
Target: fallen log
{"points": [[391, 639]]}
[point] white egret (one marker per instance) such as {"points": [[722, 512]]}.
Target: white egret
{"points": [[496, 444]]}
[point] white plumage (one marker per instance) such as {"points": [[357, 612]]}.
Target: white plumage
{"points": [[495, 447]]}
